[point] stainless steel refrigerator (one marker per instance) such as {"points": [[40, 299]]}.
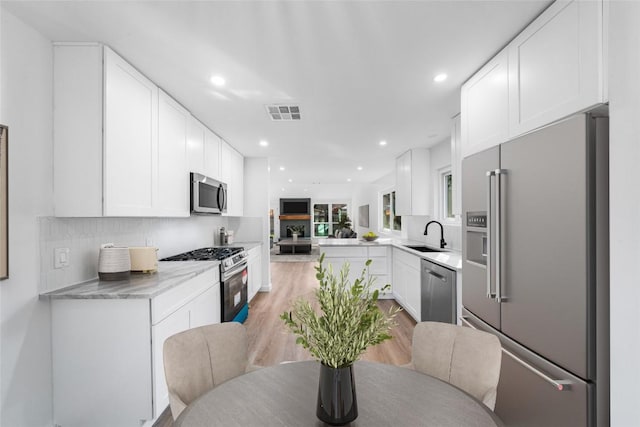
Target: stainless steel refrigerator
{"points": [[535, 270]]}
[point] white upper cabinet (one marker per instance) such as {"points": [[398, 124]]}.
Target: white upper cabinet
{"points": [[412, 178], [105, 134], [456, 165], [556, 65], [232, 174], [173, 175], [122, 147], [130, 139], [195, 146], [212, 144], [203, 149], [554, 68], [485, 106]]}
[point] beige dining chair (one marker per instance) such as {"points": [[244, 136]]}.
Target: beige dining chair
{"points": [[199, 359], [465, 357]]}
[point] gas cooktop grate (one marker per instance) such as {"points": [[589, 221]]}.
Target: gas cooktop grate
{"points": [[205, 254]]}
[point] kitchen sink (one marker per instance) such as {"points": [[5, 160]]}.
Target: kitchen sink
{"points": [[424, 248]]}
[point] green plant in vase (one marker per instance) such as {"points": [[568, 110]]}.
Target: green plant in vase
{"points": [[350, 321]]}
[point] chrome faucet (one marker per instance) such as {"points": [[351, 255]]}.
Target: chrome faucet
{"points": [[442, 242]]}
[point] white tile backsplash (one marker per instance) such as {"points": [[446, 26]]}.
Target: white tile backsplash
{"points": [[83, 236], [414, 226]]}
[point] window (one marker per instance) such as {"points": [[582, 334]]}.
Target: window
{"points": [[327, 216], [390, 222], [446, 195]]}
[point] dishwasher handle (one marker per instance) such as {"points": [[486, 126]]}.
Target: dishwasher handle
{"points": [[436, 275]]}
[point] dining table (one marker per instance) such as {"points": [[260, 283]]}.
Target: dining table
{"points": [[286, 395]]}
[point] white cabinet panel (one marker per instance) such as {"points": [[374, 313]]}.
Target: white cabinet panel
{"points": [[130, 139], [101, 348], [232, 173], [212, 144], [255, 271], [556, 65], [205, 309], [110, 350], [173, 176], [485, 106], [412, 176], [357, 257], [77, 114], [195, 146], [177, 322], [406, 282]]}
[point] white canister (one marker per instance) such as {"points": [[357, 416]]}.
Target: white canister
{"points": [[114, 263]]}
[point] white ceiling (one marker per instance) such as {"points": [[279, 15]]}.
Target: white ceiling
{"points": [[361, 71]]}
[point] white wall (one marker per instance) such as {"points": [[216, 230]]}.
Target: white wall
{"points": [[624, 96], [25, 358], [256, 204]]}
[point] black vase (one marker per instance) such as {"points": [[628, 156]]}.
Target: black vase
{"points": [[337, 395]]}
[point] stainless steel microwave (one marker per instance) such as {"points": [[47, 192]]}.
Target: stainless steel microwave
{"points": [[207, 195]]}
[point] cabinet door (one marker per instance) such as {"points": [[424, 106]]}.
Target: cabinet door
{"points": [[206, 308], [398, 281], [177, 322], [238, 184], [195, 146], [173, 177], [212, 155], [556, 65], [225, 162], [130, 140], [485, 106], [412, 295], [255, 271]]}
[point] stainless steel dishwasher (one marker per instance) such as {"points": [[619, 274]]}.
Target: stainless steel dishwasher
{"points": [[438, 293]]}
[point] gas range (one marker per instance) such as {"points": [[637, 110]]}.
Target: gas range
{"points": [[229, 257]]}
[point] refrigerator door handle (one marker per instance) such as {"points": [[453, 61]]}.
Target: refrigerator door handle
{"points": [[498, 243], [560, 385], [490, 294]]}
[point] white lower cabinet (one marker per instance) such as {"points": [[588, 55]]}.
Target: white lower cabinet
{"points": [[255, 271], [107, 353], [357, 257], [406, 282]]}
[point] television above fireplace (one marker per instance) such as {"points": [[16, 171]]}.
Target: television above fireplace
{"points": [[295, 206]]}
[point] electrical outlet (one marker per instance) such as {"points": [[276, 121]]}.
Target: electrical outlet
{"points": [[61, 257]]}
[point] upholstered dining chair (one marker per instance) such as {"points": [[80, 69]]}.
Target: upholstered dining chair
{"points": [[199, 359], [465, 357]]}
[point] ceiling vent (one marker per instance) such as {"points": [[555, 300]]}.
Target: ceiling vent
{"points": [[280, 112]]}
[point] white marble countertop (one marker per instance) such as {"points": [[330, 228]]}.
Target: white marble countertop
{"points": [[139, 285], [448, 258]]}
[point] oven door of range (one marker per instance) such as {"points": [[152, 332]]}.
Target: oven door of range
{"points": [[233, 288]]}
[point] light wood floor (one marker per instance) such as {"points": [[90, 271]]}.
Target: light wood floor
{"points": [[270, 343]]}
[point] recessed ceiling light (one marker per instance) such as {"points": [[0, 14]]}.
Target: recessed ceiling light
{"points": [[218, 81], [348, 179], [283, 189], [281, 168], [359, 168], [290, 180], [440, 78], [383, 143], [263, 143]]}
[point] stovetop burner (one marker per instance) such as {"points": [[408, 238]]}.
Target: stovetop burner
{"points": [[205, 254]]}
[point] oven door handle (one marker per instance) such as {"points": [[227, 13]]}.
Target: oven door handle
{"points": [[227, 274]]}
